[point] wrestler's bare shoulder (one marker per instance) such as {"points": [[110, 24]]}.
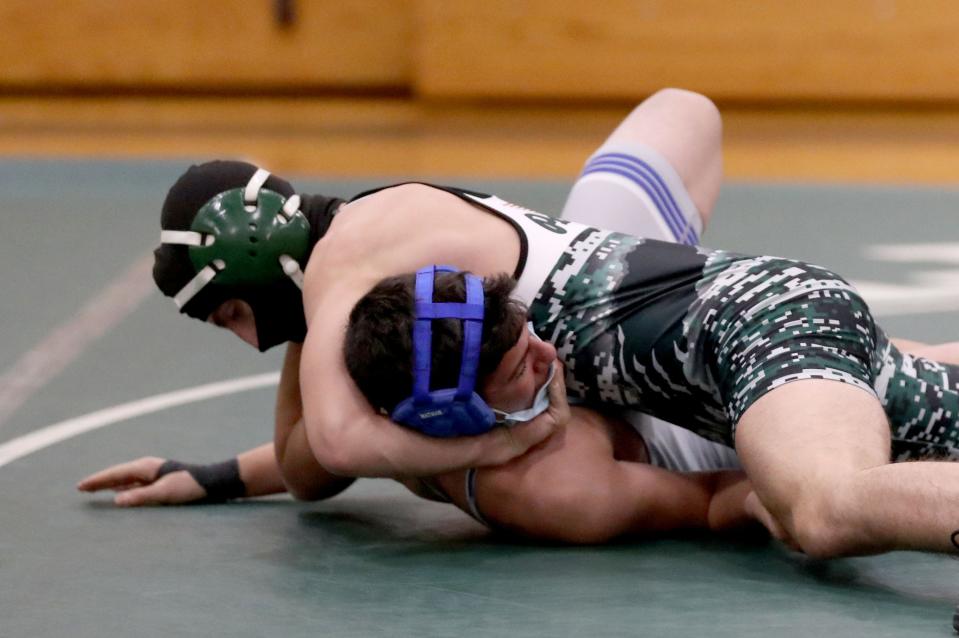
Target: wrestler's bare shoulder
{"points": [[400, 205], [405, 227]]}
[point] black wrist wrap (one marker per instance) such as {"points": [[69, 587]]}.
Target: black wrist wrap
{"points": [[221, 481]]}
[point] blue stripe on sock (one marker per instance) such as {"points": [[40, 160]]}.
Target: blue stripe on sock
{"points": [[671, 207], [646, 177], [670, 222]]}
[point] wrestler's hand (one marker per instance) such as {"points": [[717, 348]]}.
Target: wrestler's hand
{"points": [[519, 439], [136, 484], [558, 411], [757, 510]]}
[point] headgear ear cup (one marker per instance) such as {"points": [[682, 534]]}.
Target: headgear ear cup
{"points": [[455, 411], [246, 242]]}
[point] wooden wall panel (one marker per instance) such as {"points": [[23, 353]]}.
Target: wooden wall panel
{"points": [[547, 49], [204, 44], [728, 49]]}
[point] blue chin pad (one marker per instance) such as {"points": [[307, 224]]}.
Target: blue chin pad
{"points": [[455, 411], [444, 415]]}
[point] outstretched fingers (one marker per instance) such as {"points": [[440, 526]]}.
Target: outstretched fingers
{"points": [[175, 488], [141, 471]]}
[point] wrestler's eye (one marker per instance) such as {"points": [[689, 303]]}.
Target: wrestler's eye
{"points": [[519, 372]]}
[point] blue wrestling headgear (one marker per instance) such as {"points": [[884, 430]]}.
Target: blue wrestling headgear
{"points": [[455, 411]]}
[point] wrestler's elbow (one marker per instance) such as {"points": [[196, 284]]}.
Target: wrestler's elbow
{"points": [[299, 478], [318, 490], [336, 459], [300, 489], [302, 492], [327, 446]]}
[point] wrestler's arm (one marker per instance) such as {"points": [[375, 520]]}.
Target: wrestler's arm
{"points": [[350, 439], [136, 482], [300, 472], [666, 501], [572, 489]]}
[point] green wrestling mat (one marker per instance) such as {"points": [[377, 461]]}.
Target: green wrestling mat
{"points": [[376, 561]]}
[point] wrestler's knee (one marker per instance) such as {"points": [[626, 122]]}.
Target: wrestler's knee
{"points": [[687, 129], [820, 524], [694, 105]]}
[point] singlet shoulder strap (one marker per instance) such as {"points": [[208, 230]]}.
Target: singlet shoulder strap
{"points": [[478, 198], [543, 238], [455, 190]]}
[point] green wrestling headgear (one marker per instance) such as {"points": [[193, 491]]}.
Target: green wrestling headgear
{"points": [[233, 231], [244, 236]]}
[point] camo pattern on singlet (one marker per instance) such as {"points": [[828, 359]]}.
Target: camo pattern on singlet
{"points": [[695, 336]]}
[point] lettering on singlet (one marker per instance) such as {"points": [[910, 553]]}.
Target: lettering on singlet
{"points": [[549, 223]]}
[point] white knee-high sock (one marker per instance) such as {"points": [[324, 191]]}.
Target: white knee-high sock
{"points": [[631, 188]]}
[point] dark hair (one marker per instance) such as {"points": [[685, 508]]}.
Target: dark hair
{"points": [[379, 338]]}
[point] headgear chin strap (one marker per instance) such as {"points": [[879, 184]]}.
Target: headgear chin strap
{"points": [[455, 411], [249, 236], [540, 400]]}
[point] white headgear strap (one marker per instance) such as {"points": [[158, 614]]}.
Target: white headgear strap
{"points": [[253, 187], [192, 238], [196, 284]]}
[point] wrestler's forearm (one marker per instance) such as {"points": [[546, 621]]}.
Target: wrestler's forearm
{"points": [[727, 506], [260, 471], [376, 447]]}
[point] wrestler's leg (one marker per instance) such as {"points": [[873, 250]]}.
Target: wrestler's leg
{"points": [[933, 371], [803, 376], [942, 352], [921, 399], [658, 174], [817, 452]]}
